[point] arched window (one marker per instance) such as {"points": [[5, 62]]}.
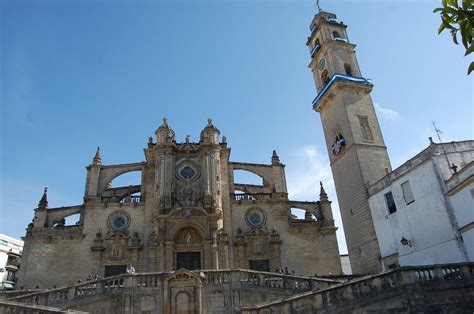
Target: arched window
{"points": [[348, 69], [336, 34], [325, 77], [316, 47]]}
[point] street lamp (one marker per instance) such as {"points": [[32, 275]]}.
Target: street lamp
{"points": [[404, 241]]}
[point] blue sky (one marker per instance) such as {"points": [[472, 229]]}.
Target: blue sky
{"points": [[78, 74]]}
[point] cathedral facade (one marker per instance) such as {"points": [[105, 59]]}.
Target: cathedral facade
{"points": [[200, 242], [187, 213]]}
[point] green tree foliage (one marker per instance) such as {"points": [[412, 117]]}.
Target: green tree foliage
{"points": [[456, 18]]}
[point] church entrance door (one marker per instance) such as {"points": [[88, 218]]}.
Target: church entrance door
{"points": [[188, 260]]}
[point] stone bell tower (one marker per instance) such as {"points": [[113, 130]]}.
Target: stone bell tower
{"points": [[355, 145]]}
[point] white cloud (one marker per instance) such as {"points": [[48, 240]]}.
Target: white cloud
{"points": [[386, 114], [306, 167], [309, 167]]}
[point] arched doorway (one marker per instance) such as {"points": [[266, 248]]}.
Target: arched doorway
{"points": [[188, 249]]}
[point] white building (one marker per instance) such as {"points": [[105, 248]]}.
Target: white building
{"points": [[10, 253], [423, 211]]}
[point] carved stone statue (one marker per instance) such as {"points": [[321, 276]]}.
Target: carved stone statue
{"points": [[188, 238], [153, 239]]}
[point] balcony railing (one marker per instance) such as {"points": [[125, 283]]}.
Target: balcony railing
{"points": [[334, 20], [341, 77], [250, 196], [131, 199], [134, 199], [340, 39]]}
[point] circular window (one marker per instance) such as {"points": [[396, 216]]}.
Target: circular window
{"points": [[187, 173], [255, 217], [118, 221], [187, 170]]}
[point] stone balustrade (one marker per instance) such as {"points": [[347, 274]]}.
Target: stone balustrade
{"points": [[371, 287], [65, 231], [251, 196], [138, 281], [410, 289], [267, 279], [7, 307]]}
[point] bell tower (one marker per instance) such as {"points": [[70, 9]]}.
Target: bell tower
{"points": [[355, 145]]}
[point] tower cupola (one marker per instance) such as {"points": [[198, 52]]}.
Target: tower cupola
{"points": [[210, 134], [165, 134], [332, 54]]}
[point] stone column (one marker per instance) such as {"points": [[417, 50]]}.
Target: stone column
{"points": [[198, 300], [166, 301]]}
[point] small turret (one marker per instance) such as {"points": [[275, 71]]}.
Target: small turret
{"points": [[323, 197], [275, 158], [43, 203], [97, 160], [210, 134], [164, 134]]}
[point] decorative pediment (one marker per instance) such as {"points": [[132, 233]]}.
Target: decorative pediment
{"points": [[117, 235], [116, 245], [257, 232], [185, 275]]}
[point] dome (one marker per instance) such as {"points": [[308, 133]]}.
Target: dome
{"points": [[164, 134], [210, 134]]}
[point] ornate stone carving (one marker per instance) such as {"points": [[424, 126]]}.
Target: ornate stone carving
{"points": [[153, 238], [187, 196], [134, 241]]}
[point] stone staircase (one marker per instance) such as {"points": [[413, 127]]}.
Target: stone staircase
{"points": [[426, 289], [98, 293]]}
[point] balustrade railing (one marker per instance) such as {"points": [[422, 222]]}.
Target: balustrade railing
{"points": [[138, 281], [309, 292], [368, 287], [131, 199], [266, 279], [134, 199], [251, 196]]}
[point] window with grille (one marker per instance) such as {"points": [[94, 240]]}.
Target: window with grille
{"points": [[390, 203]]}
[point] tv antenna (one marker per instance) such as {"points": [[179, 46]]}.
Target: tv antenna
{"points": [[438, 133], [317, 5]]}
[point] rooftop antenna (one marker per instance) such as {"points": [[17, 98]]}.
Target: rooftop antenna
{"points": [[317, 5], [438, 133]]}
